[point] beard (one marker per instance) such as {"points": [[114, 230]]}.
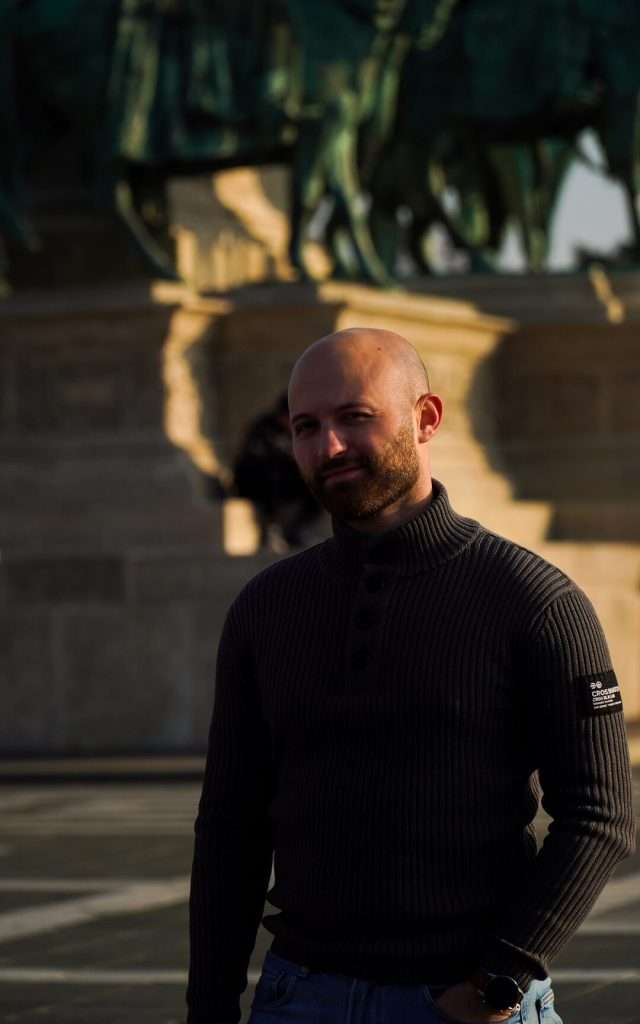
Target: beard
{"points": [[386, 478]]}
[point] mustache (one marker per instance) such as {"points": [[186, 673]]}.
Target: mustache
{"points": [[337, 464]]}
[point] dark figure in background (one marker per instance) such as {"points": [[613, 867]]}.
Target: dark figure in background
{"points": [[265, 472]]}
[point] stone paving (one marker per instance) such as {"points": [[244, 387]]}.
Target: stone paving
{"points": [[93, 911]]}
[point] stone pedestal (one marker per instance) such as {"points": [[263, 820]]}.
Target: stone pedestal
{"points": [[116, 407], [113, 583]]}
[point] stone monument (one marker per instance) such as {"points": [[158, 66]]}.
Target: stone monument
{"points": [[320, 172], [117, 406]]}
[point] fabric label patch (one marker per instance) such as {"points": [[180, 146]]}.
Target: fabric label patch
{"points": [[598, 694]]}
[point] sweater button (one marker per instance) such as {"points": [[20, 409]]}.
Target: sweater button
{"points": [[366, 617], [360, 659], [382, 552], [376, 582]]}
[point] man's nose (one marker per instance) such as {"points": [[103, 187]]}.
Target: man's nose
{"points": [[331, 444]]}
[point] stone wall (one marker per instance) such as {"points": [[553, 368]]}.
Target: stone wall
{"points": [[105, 539]]}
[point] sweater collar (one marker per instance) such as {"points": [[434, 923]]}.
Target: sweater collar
{"points": [[433, 536]]}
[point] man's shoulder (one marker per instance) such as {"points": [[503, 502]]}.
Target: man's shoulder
{"points": [[301, 566], [529, 572]]}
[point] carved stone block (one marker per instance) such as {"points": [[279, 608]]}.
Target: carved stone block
{"points": [[625, 403], [72, 579], [76, 389], [29, 700], [127, 680]]}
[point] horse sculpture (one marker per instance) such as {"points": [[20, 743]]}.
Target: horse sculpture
{"points": [[383, 106]]}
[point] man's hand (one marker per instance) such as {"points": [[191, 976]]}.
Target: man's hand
{"points": [[463, 1003]]}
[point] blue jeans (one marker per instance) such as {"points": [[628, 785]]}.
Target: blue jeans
{"points": [[288, 993]]}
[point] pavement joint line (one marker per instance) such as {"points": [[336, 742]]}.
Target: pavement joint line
{"points": [[122, 830], [91, 821], [140, 976], [20, 801], [96, 885], [628, 975], [142, 768], [179, 768], [75, 884], [609, 928], [89, 976], [129, 899]]}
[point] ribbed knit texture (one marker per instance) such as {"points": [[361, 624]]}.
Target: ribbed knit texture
{"points": [[381, 706]]}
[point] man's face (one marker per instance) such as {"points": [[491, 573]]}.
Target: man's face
{"points": [[353, 436]]}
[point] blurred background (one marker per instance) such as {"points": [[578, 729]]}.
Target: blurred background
{"points": [[190, 193]]}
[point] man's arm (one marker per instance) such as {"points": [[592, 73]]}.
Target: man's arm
{"points": [[233, 849], [576, 725]]}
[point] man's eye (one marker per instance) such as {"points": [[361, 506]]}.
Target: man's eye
{"points": [[358, 416], [302, 428]]}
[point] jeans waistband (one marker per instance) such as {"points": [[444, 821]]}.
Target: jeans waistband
{"points": [[302, 971], [275, 960]]}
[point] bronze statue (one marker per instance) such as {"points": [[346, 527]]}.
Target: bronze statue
{"points": [[382, 106]]}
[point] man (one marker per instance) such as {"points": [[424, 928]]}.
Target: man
{"points": [[383, 701]]}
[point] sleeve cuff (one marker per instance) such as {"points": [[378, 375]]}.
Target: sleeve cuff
{"points": [[502, 957]]}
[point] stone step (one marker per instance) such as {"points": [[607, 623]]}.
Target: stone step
{"points": [[77, 233], [614, 563], [112, 528], [525, 522], [94, 494], [593, 520], [469, 489]]}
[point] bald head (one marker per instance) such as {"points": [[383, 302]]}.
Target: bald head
{"points": [[361, 412], [370, 351]]}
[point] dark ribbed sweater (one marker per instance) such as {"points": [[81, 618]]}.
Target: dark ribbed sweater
{"points": [[381, 707]]}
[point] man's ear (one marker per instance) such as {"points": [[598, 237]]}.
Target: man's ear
{"points": [[429, 409]]}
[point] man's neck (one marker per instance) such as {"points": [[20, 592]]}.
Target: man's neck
{"points": [[393, 516]]}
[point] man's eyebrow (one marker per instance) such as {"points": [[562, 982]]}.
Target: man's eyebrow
{"points": [[362, 404], [340, 408]]}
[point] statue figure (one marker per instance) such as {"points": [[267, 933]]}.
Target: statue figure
{"points": [[385, 107], [496, 108]]}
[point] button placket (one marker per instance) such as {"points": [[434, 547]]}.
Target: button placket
{"points": [[363, 645]]}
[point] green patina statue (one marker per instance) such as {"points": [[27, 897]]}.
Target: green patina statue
{"points": [[403, 113]]}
